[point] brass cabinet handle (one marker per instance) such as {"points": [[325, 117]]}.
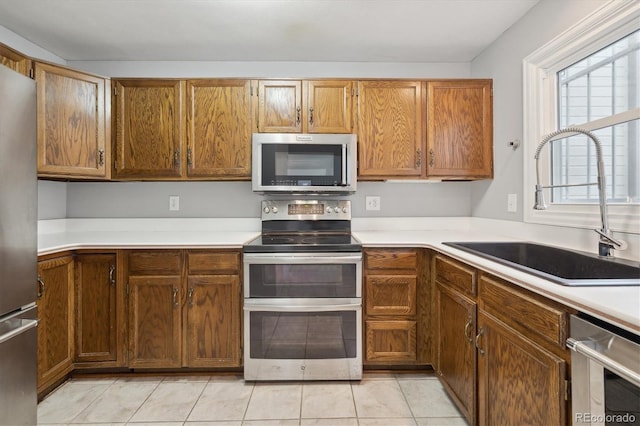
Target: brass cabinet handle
{"points": [[311, 115], [419, 158], [112, 274], [191, 296], [176, 159], [101, 157], [480, 350], [431, 158], [175, 297], [189, 159], [298, 115], [41, 287], [467, 328]]}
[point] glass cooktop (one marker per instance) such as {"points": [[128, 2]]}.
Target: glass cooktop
{"points": [[284, 243]]}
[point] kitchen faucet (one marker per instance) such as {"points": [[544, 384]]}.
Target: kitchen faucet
{"points": [[607, 243]]}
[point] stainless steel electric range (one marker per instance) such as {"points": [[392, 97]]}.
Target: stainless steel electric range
{"points": [[303, 294]]}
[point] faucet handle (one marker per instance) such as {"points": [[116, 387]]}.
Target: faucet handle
{"points": [[607, 243]]}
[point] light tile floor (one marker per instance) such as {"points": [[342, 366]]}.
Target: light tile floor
{"points": [[377, 400]]}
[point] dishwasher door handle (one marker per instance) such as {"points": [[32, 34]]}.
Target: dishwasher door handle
{"points": [[605, 361], [25, 325]]}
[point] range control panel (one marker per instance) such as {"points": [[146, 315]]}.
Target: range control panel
{"points": [[306, 210]]}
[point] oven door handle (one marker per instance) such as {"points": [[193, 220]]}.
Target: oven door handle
{"points": [[300, 308], [286, 258], [611, 365]]}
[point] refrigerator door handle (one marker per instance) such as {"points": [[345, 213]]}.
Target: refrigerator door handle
{"points": [[26, 324]]}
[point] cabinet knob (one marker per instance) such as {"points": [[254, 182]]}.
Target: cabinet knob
{"points": [[101, 157], [311, 116], [431, 158], [176, 159], [298, 109], [189, 159], [191, 296], [418, 158], [467, 329], [175, 297]]}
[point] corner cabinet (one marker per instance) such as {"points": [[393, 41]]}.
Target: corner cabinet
{"points": [[55, 303], [72, 116], [390, 129], [149, 129], [460, 129], [305, 106]]}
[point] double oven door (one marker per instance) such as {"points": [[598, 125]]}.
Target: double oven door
{"points": [[303, 316]]}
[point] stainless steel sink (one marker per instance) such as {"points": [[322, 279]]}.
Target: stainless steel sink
{"points": [[562, 266]]}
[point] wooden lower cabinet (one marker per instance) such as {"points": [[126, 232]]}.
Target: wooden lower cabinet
{"points": [[395, 299], [213, 309], [456, 352], [98, 331], [519, 382], [55, 320], [184, 308]]}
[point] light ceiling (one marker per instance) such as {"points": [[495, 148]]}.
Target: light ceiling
{"points": [[263, 30]]}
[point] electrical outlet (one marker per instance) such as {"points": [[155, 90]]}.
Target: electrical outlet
{"points": [[174, 203], [372, 202], [512, 203]]}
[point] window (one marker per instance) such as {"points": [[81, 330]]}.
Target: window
{"points": [[588, 78], [603, 86]]}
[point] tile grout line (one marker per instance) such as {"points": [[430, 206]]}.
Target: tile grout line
{"points": [[196, 401]]}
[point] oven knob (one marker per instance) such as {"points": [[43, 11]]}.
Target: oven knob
{"points": [[274, 209], [266, 210], [344, 210], [329, 210], [337, 210]]}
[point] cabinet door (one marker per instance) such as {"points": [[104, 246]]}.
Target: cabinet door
{"points": [[219, 128], [55, 315], [154, 280], [519, 382], [15, 60], [390, 295], [328, 108], [149, 128], [390, 129], [279, 106], [390, 341], [213, 321], [71, 121], [456, 353], [96, 313], [460, 129]]}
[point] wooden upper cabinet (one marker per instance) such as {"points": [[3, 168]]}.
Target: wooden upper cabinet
{"points": [[460, 129], [307, 106], [72, 131], [390, 129], [219, 128], [279, 106], [328, 106], [149, 129], [15, 60]]}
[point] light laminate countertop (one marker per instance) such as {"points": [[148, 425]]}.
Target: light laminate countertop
{"points": [[618, 305]]}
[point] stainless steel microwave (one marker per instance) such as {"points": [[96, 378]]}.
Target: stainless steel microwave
{"points": [[304, 163]]}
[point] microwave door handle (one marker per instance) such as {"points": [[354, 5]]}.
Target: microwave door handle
{"points": [[344, 164]]}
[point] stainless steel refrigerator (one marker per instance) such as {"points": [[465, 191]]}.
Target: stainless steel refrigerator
{"points": [[18, 249]]}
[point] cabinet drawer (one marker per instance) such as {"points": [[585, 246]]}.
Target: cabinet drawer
{"points": [[213, 262], [532, 315], [154, 262], [390, 295], [456, 275], [390, 341], [390, 259]]}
